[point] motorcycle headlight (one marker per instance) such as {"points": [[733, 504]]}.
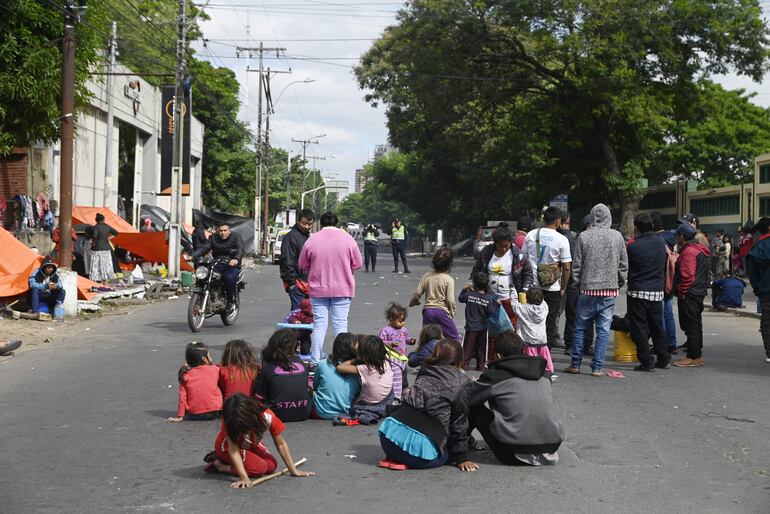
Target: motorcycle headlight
{"points": [[201, 272]]}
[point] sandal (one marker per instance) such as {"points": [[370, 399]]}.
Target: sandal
{"points": [[210, 456], [615, 374]]}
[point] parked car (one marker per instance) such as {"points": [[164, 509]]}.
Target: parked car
{"points": [[277, 245], [483, 238]]}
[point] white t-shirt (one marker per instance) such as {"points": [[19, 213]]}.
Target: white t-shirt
{"points": [[499, 270], [554, 247]]}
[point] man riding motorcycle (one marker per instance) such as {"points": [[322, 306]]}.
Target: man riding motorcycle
{"points": [[224, 243]]}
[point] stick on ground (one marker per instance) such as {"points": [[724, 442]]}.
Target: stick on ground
{"points": [[277, 473]]}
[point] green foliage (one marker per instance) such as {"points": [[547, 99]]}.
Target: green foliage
{"points": [[31, 32], [499, 105]]}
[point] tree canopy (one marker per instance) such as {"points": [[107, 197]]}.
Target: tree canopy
{"points": [[500, 105]]}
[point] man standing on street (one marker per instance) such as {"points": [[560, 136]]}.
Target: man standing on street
{"points": [[551, 260], [371, 245], [691, 284], [294, 279], [669, 323], [600, 266], [647, 259], [759, 276], [398, 237]]}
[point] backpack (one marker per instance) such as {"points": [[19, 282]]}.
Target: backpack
{"points": [[668, 283]]}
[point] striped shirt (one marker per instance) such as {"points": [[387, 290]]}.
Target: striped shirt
{"points": [[600, 292], [650, 296]]}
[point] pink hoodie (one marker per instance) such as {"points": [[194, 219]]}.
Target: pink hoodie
{"points": [[330, 256]]}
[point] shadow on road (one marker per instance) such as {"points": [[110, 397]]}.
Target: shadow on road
{"points": [[160, 413]]}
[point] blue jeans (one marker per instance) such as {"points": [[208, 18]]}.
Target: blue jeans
{"points": [[590, 309], [51, 297], [397, 454], [295, 297], [323, 308], [230, 279], [669, 323]]}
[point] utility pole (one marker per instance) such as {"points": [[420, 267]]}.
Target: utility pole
{"points": [[67, 134], [288, 181], [174, 232], [110, 115]]}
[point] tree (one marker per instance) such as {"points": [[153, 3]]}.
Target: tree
{"points": [[31, 32], [525, 99]]}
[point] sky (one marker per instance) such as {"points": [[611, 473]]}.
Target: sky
{"points": [[323, 40], [341, 30]]}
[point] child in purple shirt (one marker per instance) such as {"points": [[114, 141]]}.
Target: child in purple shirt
{"points": [[395, 336]]}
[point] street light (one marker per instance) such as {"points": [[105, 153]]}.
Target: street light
{"points": [[302, 199], [304, 81]]}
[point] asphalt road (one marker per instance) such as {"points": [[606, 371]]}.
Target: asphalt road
{"points": [[82, 424]]}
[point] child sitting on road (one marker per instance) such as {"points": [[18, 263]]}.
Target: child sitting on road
{"points": [[283, 382], [238, 369], [438, 286], [334, 392], [531, 326], [376, 376], [429, 336], [479, 306], [239, 450], [199, 396], [396, 336]]}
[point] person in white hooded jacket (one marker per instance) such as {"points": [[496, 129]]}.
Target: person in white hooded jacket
{"points": [[531, 326]]}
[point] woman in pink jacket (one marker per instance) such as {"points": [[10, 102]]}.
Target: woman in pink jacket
{"points": [[329, 256]]}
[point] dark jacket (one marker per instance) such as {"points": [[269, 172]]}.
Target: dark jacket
{"points": [[37, 280], [100, 235], [571, 237], [417, 358], [521, 271], [692, 270], [291, 246], [231, 248], [647, 260], [520, 396], [442, 392], [759, 266], [199, 238], [729, 292], [478, 308]]}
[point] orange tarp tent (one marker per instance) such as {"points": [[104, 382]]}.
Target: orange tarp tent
{"points": [[152, 246], [87, 215], [18, 261]]}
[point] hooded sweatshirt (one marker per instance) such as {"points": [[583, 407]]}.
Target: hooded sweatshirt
{"points": [[692, 270], [520, 397], [39, 280], [600, 262], [531, 324]]}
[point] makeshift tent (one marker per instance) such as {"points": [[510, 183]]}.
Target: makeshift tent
{"points": [[152, 246], [17, 262], [238, 224], [82, 214], [159, 217]]}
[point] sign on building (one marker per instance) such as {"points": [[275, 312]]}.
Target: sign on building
{"points": [[167, 141]]}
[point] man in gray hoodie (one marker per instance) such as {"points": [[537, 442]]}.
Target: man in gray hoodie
{"points": [[599, 268]]}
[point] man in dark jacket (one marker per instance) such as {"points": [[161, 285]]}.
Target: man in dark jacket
{"points": [[294, 279], [45, 285], [647, 258], [669, 322], [691, 285], [521, 426], [371, 246], [229, 245], [759, 276]]}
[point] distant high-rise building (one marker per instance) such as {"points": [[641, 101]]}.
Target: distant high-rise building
{"points": [[382, 150], [361, 180]]}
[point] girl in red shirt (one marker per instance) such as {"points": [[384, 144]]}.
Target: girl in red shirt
{"points": [[199, 395], [239, 450], [238, 368]]}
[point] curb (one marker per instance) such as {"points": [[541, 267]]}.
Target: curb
{"points": [[744, 313]]}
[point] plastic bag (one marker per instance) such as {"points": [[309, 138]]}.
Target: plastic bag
{"points": [[499, 322]]}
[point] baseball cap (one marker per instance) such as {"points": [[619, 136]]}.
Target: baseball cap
{"points": [[524, 223], [686, 230]]}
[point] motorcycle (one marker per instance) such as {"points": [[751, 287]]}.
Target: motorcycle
{"points": [[208, 296]]}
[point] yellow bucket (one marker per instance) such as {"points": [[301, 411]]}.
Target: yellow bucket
{"points": [[625, 349]]}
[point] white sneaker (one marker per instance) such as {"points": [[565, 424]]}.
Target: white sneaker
{"points": [[555, 377], [767, 359]]}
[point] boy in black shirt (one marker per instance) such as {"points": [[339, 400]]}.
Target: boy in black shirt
{"points": [[479, 306]]}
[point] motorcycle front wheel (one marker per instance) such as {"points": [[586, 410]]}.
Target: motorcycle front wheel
{"points": [[195, 314]]}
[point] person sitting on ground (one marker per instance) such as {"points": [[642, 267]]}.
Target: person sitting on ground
{"points": [[238, 369], [521, 426], [228, 245], [199, 396], [376, 375], [438, 286], [45, 286], [480, 305], [431, 427], [429, 336], [396, 336], [727, 292], [283, 382], [335, 392], [531, 327], [239, 450]]}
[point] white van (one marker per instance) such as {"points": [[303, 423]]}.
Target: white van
{"points": [[277, 245]]}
